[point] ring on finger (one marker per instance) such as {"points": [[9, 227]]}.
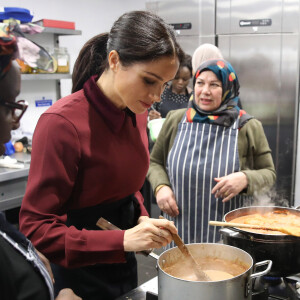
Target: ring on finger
{"points": [[226, 193]]}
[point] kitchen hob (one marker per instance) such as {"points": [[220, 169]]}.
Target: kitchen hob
{"points": [[266, 288], [276, 288]]}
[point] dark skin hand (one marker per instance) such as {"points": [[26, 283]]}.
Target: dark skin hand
{"points": [[64, 294], [154, 114]]}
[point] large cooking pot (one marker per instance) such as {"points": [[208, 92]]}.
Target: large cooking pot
{"points": [[282, 249], [236, 288]]}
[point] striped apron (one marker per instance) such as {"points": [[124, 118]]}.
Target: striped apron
{"points": [[200, 153]]}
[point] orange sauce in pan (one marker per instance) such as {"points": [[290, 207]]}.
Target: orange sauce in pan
{"points": [[216, 268], [279, 218]]}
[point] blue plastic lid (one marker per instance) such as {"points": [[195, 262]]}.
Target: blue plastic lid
{"points": [[9, 148], [18, 13]]}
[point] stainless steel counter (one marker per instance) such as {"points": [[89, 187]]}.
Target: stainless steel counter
{"points": [[13, 182]]}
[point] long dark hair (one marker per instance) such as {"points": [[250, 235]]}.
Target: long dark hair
{"points": [[137, 36]]}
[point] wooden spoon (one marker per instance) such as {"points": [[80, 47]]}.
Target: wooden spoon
{"points": [[287, 230], [201, 275]]}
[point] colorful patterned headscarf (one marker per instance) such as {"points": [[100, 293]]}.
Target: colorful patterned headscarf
{"points": [[8, 51], [229, 110]]}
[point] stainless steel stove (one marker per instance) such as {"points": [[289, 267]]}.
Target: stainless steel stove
{"points": [[264, 288], [270, 288]]}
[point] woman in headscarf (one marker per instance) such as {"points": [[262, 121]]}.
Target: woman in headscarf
{"points": [[210, 157]]}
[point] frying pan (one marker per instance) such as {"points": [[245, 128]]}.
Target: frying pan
{"points": [[282, 249]]}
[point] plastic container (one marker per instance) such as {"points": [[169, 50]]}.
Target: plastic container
{"points": [[22, 14], [63, 60], [9, 148], [52, 64], [155, 127]]}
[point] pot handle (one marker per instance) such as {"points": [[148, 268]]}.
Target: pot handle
{"points": [[255, 275], [231, 233], [264, 272]]}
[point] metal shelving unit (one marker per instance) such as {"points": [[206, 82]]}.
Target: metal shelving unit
{"points": [[53, 34], [53, 76], [61, 31]]}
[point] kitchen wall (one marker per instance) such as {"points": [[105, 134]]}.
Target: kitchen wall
{"points": [[266, 58], [91, 17]]}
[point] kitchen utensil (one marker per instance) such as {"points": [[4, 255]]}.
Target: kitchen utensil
{"points": [[106, 225], [282, 249], [202, 276], [287, 230], [154, 127], [236, 288]]}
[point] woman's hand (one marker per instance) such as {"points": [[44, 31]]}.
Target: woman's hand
{"points": [[166, 201], [67, 294], [230, 185], [150, 233], [154, 114]]}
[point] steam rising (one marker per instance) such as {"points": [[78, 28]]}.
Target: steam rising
{"points": [[267, 198]]}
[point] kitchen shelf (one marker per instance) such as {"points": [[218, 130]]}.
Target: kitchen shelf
{"points": [[54, 76], [61, 31], [56, 32]]}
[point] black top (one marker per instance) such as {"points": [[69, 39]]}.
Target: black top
{"points": [[170, 101], [19, 279]]}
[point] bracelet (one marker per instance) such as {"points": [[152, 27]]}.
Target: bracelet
{"points": [[158, 188]]}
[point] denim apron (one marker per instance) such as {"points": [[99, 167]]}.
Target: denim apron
{"points": [[101, 281], [200, 153]]}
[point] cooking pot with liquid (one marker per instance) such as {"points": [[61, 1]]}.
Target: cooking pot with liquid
{"points": [[236, 288], [282, 249]]}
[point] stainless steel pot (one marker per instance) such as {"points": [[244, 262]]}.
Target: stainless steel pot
{"points": [[283, 249], [236, 288]]}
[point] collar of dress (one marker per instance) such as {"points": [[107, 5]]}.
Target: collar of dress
{"points": [[113, 117]]}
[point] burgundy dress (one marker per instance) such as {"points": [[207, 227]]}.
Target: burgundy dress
{"points": [[89, 159]]}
